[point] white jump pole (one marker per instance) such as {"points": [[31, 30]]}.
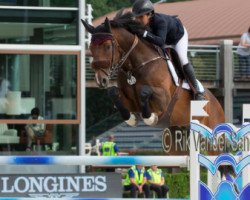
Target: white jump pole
{"points": [[246, 170], [196, 109], [168, 161]]}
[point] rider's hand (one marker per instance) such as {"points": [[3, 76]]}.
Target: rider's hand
{"points": [[140, 32]]}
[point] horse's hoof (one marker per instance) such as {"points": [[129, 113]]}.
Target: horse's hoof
{"points": [[152, 120], [132, 121]]}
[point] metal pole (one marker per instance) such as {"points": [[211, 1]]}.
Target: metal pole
{"points": [[227, 66], [82, 126]]}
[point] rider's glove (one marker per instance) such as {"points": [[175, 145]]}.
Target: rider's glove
{"points": [[145, 34]]}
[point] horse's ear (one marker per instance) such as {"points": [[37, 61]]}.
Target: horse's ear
{"points": [[88, 27], [107, 25]]}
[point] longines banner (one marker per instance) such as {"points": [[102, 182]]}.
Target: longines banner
{"points": [[94, 185]]}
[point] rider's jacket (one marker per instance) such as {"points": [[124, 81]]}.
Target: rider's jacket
{"points": [[164, 29]]}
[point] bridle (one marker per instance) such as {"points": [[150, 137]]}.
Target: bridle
{"points": [[114, 67]]}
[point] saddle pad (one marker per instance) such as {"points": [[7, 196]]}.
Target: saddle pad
{"points": [[185, 84]]}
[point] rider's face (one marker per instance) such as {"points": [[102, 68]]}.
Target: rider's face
{"points": [[144, 19]]}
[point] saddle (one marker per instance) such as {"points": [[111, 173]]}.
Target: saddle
{"points": [[174, 58], [176, 70]]}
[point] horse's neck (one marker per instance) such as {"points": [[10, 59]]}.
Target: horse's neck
{"points": [[142, 53]]}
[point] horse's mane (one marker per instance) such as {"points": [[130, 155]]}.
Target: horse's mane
{"points": [[126, 21], [123, 20]]}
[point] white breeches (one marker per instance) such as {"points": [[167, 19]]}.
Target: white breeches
{"points": [[182, 47]]}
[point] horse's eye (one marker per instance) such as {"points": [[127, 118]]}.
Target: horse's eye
{"points": [[108, 47]]}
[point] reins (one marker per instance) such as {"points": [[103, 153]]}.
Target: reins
{"points": [[114, 68]]}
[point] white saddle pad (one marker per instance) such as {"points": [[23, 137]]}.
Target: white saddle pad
{"points": [[185, 84]]}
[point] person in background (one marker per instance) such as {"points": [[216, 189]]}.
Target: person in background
{"points": [[33, 130], [136, 180], [243, 52], [156, 181], [109, 148], [229, 175]]}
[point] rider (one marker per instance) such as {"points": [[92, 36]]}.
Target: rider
{"points": [[167, 30]]}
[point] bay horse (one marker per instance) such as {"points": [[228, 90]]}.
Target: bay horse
{"points": [[145, 86]]}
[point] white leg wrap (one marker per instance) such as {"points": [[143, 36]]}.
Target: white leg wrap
{"points": [[132, 121], [152, 120]]}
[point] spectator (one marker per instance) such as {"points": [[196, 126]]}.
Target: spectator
{"points": [[156, 181], [136, 180], [227, 174], [33, 130], [243, 52], [109, 148]]}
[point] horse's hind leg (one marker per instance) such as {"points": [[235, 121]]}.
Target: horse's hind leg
{"points": [[149, 118], [130, 118]]}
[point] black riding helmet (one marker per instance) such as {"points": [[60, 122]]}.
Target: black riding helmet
{"points": [[142, 7]]}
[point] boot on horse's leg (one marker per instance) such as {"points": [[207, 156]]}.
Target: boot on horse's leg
{"points": [[130, 118], [190, 76], [149, 118]]}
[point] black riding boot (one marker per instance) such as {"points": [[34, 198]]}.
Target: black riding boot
{"points": [[190, 76]]}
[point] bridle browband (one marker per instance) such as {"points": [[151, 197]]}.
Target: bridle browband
{"points": [[99, 38]]}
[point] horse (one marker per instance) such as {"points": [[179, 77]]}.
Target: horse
{"points": [[145, 88]]}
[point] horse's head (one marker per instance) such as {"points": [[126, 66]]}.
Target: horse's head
{"points": [[105, 51]]}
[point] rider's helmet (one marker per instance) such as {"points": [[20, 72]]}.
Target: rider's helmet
{"points": [[142, 7]]}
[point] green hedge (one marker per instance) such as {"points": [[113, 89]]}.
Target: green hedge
{"points": [[178, 184]]}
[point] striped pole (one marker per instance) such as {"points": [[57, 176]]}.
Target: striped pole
{"points": [[95, 160]]}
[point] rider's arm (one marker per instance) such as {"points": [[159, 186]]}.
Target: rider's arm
{"points": [[159, 27], [160, 37]]}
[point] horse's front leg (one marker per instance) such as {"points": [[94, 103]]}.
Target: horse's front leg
{"points": [[120, 101], [148, 116]]}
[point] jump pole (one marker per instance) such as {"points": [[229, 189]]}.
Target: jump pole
{"points": [[168, 161]]}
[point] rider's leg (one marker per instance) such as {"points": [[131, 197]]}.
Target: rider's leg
{"points": [[181, 48], [190, 76]]}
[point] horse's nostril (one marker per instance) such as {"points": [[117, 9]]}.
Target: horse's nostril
{"points": [[104, 82]]}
